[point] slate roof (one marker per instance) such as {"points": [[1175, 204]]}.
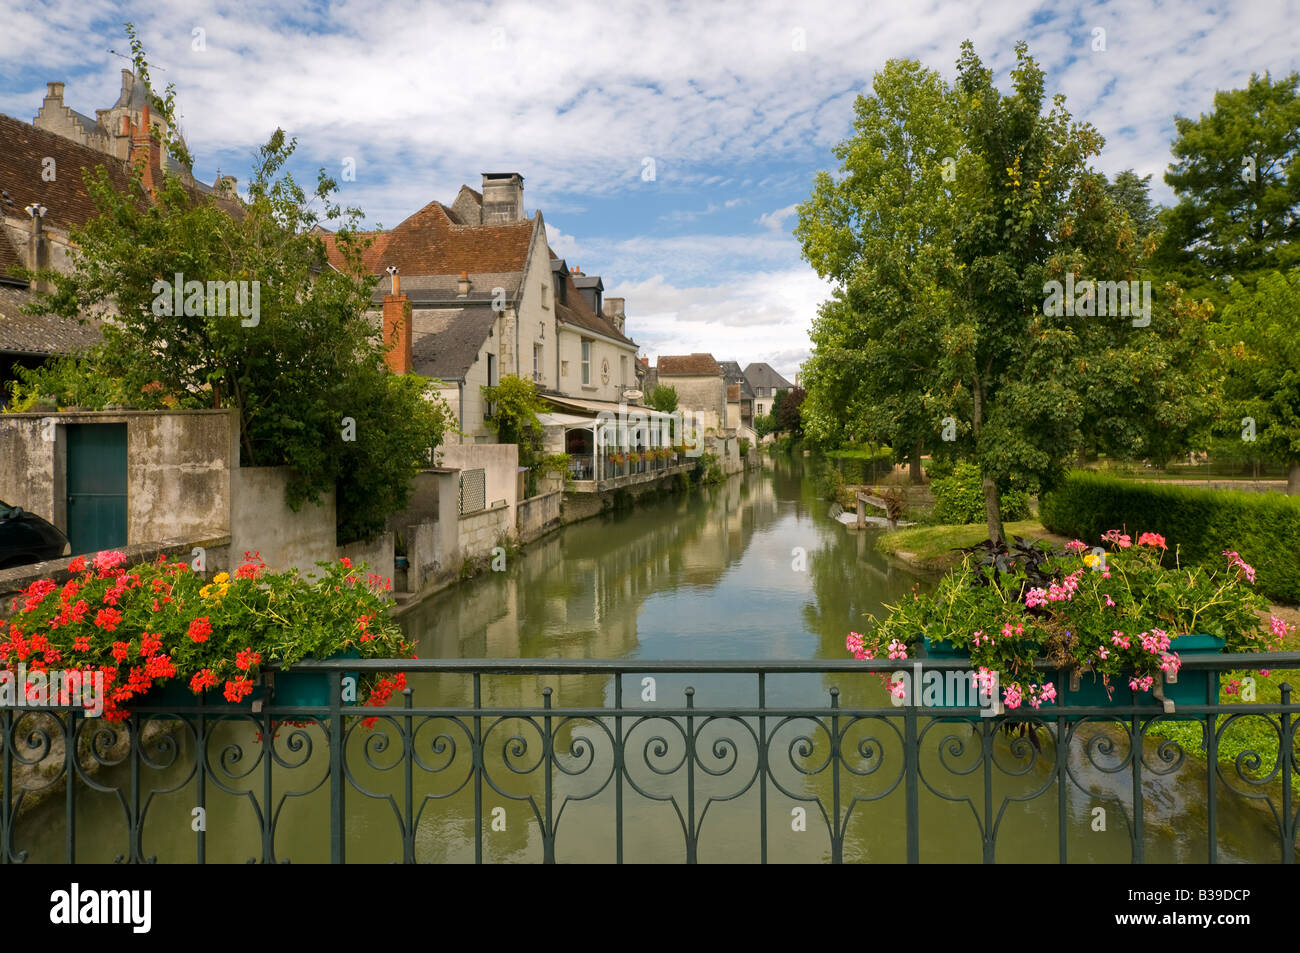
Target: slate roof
{"points": [[576, 311], [445, 289], [735, 375], [688, 365], [444, 343], [764, 375], [40, 334]]}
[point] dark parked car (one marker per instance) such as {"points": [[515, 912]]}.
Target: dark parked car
{"points": [[26, 538]]}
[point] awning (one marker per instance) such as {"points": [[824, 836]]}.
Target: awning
{"points": [[565, 420]]}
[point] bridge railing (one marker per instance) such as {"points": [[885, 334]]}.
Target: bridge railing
{"points": [[492, 759]]}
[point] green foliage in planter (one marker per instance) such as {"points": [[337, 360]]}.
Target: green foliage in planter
{"points": [[1263, 527], [1112, 616], [146, 625], [960, 498]]}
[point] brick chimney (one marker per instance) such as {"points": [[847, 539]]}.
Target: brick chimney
{"points": [[613, 308], [397, 328], [146, 152]]}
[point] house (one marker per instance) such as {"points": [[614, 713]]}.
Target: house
{"points": [[488, 297], [740, 396], [43, 198], [765, 382], [701, 386]]}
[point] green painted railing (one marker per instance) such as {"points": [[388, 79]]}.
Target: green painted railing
{"points": [[839, 760]]}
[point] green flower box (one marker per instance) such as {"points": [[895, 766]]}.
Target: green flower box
{"points": [[1192, 688], [309, 689]]}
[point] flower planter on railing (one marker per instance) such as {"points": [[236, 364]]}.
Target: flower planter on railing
{"points": [[308, 689], [1088, 691]]}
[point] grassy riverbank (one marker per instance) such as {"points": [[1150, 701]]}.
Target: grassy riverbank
{"points": [[932, 548]]}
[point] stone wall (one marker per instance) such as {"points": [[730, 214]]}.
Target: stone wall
{"points": [[539, 515], [480, 532], [705, 394], [178, 468], [500, 463]]}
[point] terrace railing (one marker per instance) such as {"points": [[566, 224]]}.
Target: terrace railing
{"points": [[582, 757]]}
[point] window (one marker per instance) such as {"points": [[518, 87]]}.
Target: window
{"points": [[489, 409], [546, 298], [564, 368], [586, 363], [537, 362], [622, 370]]}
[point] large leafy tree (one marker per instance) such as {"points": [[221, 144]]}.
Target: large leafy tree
{"points": [[1044, 382], [1236, 173], [304, 369], [881, 230], [1263, 382]]}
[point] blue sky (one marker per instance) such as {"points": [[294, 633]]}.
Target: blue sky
{"points": [[736, 103]]}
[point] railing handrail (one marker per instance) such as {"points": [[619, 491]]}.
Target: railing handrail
{"points": [[528, 666]]}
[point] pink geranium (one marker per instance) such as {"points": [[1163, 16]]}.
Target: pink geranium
{"points": [[1152, 539]]}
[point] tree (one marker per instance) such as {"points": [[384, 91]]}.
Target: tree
{"points": [[1034, 372], [764, 424], [298, 358], [1264, 378], [882, 231], [788, 417], [775, 409], [664, 398], [1237, 177], [1132, 194], [515, 406]]}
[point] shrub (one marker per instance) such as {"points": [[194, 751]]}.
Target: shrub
{"points": [[707, 469], [862, 466], [1263, 527], [959, 498], [744, 447]]}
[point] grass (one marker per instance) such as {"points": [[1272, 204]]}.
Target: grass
{"points": [[933, 547]]}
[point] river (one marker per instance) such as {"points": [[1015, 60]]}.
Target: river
{"points": [[753, 568]]}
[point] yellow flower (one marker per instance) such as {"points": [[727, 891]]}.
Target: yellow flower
{"points": [[1091, 560], [221, 577]]}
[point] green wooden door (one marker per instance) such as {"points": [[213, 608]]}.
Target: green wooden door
{"points": [[96, 487]]}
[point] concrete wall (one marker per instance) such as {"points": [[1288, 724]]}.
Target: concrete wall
{"points": [[500, 463], [178, 468], [539, 515], [261, 521], [376, 553]]}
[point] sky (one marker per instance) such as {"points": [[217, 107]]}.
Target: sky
{"points": [[667, 144]]}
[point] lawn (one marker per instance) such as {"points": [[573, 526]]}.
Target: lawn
{"points": [[932, 547]]}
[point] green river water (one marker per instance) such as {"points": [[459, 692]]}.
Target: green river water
{"points": [[712, 574]]}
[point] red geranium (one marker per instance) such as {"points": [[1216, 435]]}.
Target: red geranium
{"points": [[237, 688], [246, 658], [202, 681], [200, 629], [107, 619]]}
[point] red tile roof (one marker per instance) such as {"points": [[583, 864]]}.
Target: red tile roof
{"points": [[688, 365], [431, 243]]}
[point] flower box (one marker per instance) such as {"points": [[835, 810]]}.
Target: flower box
{"points": [[309, 689], [1191, 687]]}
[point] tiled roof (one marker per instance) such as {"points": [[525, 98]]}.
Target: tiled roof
{"points": [[9, 258], [688, 365], [40, 334], [23, 150], [763, 375], [735, 375], [430, 242], [444, 343], [576, 311]]}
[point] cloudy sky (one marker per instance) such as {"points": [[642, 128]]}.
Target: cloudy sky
{"points": [[665, 143]]}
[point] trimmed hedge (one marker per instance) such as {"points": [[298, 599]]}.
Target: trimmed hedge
{"points": [[862, 466], [1263, 527]]}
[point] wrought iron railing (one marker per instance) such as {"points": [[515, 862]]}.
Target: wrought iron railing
{"points": [[694, 760]]}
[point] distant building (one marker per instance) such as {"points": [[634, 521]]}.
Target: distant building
{"points": [[740, 395], [765, 382], [701, 386], [488, 297]]}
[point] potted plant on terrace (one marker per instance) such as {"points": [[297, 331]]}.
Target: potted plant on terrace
{"points": [[159, 625], [1115, 624]]}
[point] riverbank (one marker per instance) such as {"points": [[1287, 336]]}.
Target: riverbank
{"points": [[934, 548]]}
